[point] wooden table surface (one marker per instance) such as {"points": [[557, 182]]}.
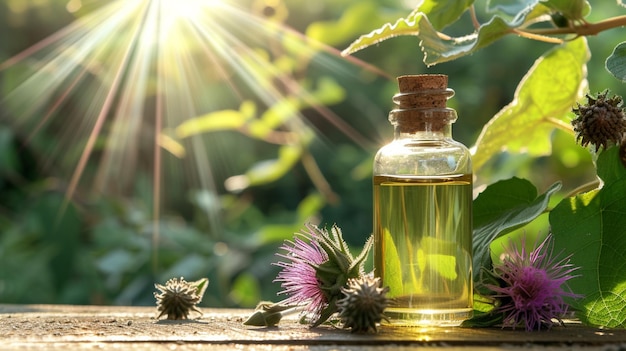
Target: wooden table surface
{"points": [[63, 327]]}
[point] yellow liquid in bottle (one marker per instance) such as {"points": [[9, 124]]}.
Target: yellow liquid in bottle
{"points": [[423, 246]]}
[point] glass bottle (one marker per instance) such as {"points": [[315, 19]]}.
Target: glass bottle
{"points": [[423, 209]]}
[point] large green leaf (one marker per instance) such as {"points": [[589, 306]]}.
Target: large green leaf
{"points": [[542, 100], [501, 208], [616, 63], [443, 13], [592, 227]]}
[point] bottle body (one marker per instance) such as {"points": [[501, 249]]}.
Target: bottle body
{"points": [[423, 227]]}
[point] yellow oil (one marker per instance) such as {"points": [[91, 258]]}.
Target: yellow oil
{"points": [[423, 248]]}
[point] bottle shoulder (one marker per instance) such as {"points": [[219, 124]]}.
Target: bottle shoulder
{"points": [[405, 147], [423, 157]]}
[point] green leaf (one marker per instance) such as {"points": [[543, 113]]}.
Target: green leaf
{"points": [[592, 227], [270, 233], [437, 47], [327, 92], [437, 255], [245, 290], [609, 167], [512, 8], [483, 320], [351, 23], [263, 319], [571, 9], [267, 171], [117, 262], [501, 208], [267, 314], [444, 265], [616, 63], [542, 100], [393, 269], [530, 11], [201, 285], [443, 13], [217, 121], [60, 224], [310, 206], [9, 162], [438, 50], [403, 26]]}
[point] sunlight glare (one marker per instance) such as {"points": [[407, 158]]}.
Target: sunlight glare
{"points": [[113, 86], [73, 6], [185, 9]]}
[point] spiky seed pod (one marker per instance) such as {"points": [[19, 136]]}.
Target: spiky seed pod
{"points": [[363, 304], [177, 298], [600, 122]]}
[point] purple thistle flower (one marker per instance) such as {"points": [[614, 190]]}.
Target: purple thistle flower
{"points": [[317, 266], [298, 276], [532, 285]]}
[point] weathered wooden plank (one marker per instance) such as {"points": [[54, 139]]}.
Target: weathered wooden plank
{"points": [[44, 326]]}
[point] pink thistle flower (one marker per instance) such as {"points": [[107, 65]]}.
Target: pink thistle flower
{"points": [[532, 286], [317, 266], [298, 276]]}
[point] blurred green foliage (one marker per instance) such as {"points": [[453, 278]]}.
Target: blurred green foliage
{"points": [[107, 248]]}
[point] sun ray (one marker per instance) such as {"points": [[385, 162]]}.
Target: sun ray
{"points": [[113, 90], [112, 84]]}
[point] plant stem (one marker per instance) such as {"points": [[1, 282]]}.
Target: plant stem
{"points": [[583, 29], [474, 18], [318, 178], [566, 127], [538, 37], [592, 185]]}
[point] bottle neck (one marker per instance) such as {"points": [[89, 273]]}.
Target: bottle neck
{"points": [[427, 133], [423, 123]]}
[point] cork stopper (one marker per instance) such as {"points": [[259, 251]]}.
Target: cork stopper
{"points": [[421, 82], [423, 91], [421, 103]]}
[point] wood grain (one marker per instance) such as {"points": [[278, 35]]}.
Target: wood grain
{"points": [[136, 328]]}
